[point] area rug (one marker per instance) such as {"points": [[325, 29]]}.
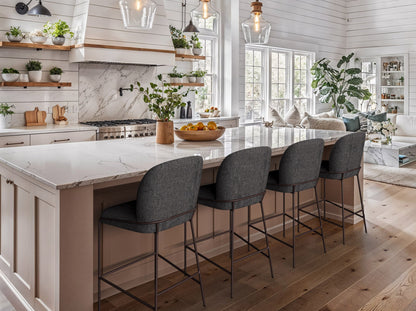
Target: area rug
{"points": [[403, 176]]}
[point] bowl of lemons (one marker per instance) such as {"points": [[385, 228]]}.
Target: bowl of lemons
{"points": [[200, 131]]}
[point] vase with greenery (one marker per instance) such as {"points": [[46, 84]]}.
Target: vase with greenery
{"points": [[338, 86], [163, 99], [175, 76], [10, 75], [196, 45], [34, 68], [200, 75], [15, 34], [5, 113], [55, 74], [179, 41], [58, 31]]}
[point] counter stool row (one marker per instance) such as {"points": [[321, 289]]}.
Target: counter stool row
{"points": [[169, 193]]}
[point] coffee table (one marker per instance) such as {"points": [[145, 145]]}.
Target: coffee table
{"points": [[388, 155]]}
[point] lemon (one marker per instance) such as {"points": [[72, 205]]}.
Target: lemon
{"points": [[184, 128]]}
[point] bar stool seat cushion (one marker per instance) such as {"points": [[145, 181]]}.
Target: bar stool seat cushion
{"points": [[207, 196], [122, 216], [274, 184]]}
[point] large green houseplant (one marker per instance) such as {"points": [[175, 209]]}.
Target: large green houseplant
{"points": [[338, 86]]}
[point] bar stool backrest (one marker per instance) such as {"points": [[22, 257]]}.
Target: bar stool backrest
{"points": [[300, 164], [347, 153], [168, 190], [243, 174]]}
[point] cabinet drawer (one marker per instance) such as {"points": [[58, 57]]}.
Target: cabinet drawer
{"points": [[59, 138], [14, 141]]}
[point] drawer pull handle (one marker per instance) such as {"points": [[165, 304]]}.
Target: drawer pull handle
{"points": [[11, 182], [61, 140], [14, 144]]}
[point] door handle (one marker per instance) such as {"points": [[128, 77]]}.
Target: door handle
{"points": [[14, 144], [10, 182], [61, 140]]}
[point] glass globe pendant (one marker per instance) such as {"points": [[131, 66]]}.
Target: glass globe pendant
{"points": [[256, 29], [205, 16], [138, 14]]}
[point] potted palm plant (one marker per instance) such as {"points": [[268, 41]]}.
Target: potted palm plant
{"points": [[5, 113], [15, 34], [10, 75], [55, 74], [58, 31], [34, 69], [163, 99]]}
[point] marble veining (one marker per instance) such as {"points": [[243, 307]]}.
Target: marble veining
{"points": [[78, 164], [388, 155]]}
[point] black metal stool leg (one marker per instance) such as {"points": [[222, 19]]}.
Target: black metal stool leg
{"points": [[324, 198], [284, 214], [184, 247], [197, 263], [343, 211], [298, 210], [320, 220], [156, 255], [232, 247], [362, 203], [99, 268], [293, 228], [267, 239], [248, 226]]}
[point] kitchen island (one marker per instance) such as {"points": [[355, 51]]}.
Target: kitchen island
{"points": [[53, 195]]}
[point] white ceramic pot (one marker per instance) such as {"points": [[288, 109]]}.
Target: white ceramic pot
{"points": [[192, 79], [181, 51], [10, 77], [4, 121], [55, 78], [35, 76], [38, 39], [200, 80], [197, 51], [176, 80], [12, 38]]}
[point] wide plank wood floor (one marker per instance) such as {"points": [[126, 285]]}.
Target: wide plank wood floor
{"points": [[374, 271]]}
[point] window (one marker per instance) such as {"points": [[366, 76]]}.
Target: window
{"points": [[276, 78]]}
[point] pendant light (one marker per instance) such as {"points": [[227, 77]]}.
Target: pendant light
{"points": [[256, 30], [23, 8], [205, 11], [191, 28], [138, 14]]}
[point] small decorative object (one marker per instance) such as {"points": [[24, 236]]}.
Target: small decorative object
{"points": [[385, 66], [38, 36], [256, 30], [10, 75], [268, 124], [204, 115], [393, 96], [15, 34], [55, 74], [213, 112], [58, 115], [35, 117], [204, 13], [24, 77], [5, 114], [395, 109], [386, 129], [200, 131], [401, 81], [196, 45], [179, 41], [58, 31], [163, 99], [384, 108], [34, 69], [191, 77], [189, 110], [182, 114], [138, 14], [200, 76], [175, 76], [402, 96]]}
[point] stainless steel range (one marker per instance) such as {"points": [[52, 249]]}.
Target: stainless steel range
{"points": [[118, 129]]}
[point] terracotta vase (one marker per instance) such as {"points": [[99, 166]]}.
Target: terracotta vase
{"points": [[164, 132]]}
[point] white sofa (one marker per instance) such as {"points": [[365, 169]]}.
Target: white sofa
{"points": [[406, 128]]}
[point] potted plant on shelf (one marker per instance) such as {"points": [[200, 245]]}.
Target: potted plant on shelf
{"points": [[401, 81], [191, 77], [10, 75], [337, 86], [55, 74], [58, 31], [15, 34], [163, 99], [34, 68], [38, 36], [179, 41], [196, 45], [5, 113], [200, 75], [175, 76]]}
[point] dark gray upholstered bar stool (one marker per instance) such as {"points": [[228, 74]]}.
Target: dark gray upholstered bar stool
{"points": [[241, 181], [344, 162], [167, 197], [298, 171]]}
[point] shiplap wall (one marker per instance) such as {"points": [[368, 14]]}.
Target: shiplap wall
{"points": [[44, 98], [384, 27], [311, 25]]}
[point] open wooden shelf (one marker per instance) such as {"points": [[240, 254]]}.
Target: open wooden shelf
{"points": [[190, 58], [35, 46], [35, 84], [187, 84]]}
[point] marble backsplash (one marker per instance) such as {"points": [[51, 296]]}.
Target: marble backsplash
{"points": [[99, 98]]}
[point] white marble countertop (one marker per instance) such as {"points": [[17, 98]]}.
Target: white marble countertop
{"points": [[197, 119], [50, 128], [64, 166]]}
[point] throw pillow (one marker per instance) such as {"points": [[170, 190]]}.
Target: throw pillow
{"points": [[352, 124], [378, 117], [326, 124], [293, 116], [323, 115], [276, 118]]}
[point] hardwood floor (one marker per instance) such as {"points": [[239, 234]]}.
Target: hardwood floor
{"points": [[376, 271]]}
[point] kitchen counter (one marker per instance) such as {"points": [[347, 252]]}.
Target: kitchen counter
{"points": [[50, 128], [80, 164], [199, 119]]}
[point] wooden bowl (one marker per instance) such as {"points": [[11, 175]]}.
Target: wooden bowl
{"points": [[201, 135]]}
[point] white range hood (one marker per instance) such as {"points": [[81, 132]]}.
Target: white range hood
{"points": [[101, 36]]}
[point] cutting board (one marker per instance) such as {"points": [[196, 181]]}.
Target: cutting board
{"points": [[58, 115], [35, 117]]}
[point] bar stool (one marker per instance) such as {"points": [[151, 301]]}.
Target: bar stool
{"points": [[298, 171], [344, 162], [166, 198], [241, 181]]}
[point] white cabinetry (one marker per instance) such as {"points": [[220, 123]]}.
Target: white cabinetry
{"points": [[59, 138]]}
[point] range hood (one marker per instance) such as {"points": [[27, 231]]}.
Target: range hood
{"points": [[101, 37]]}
